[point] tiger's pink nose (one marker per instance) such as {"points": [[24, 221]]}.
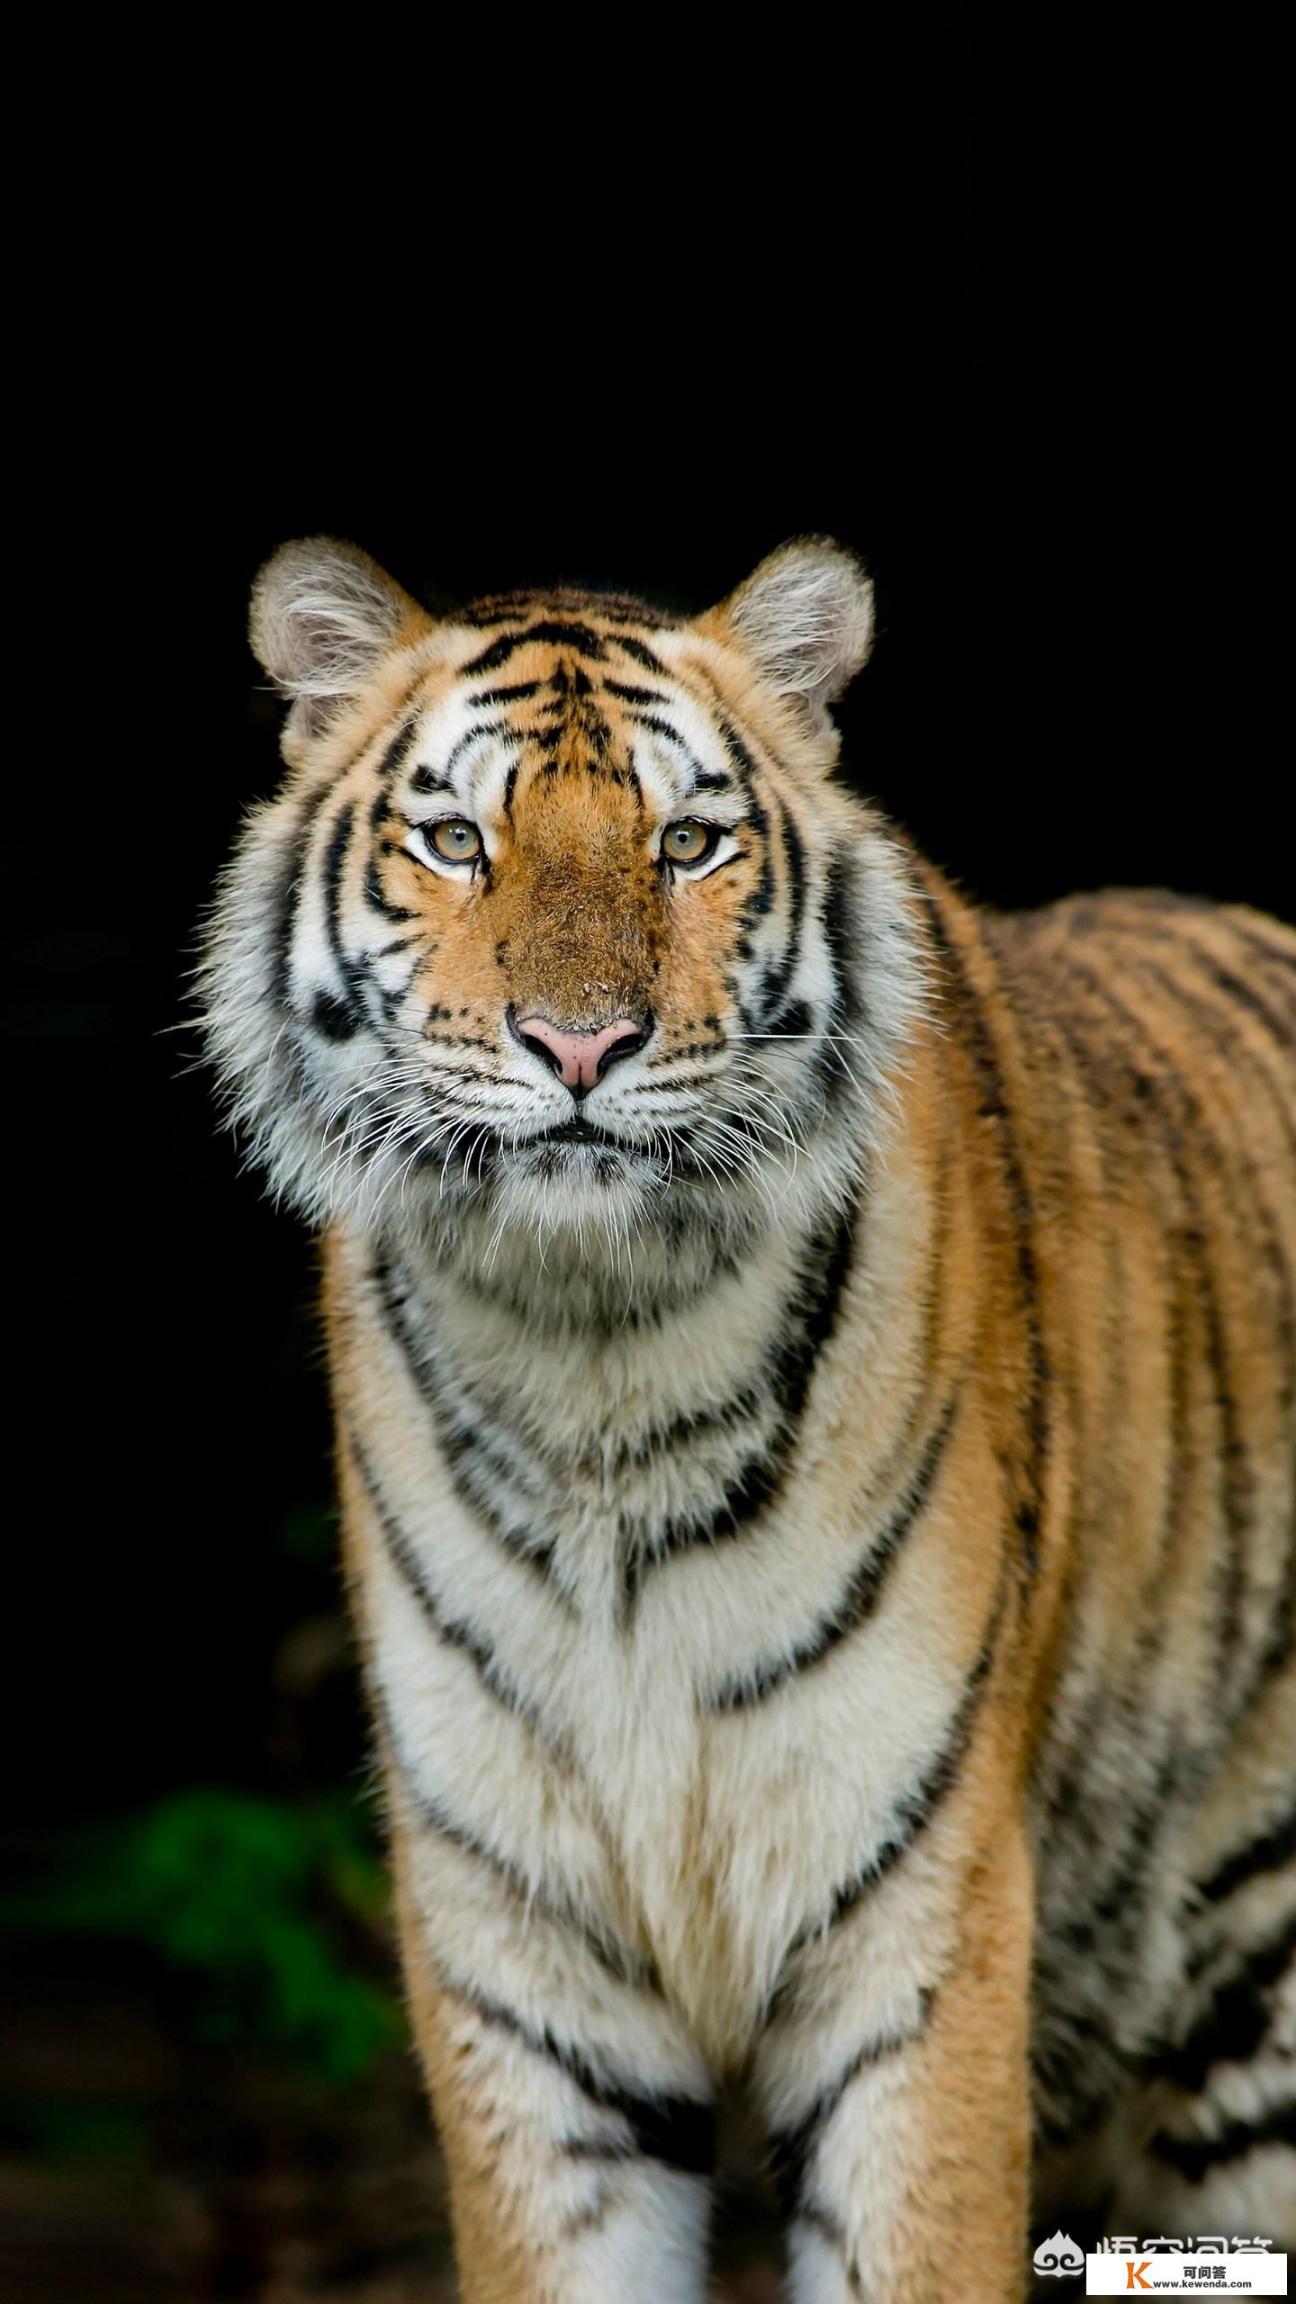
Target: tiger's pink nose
{"points": [[579, 1058]]}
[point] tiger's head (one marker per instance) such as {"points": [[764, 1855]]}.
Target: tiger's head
{"points": [[559, 921]]}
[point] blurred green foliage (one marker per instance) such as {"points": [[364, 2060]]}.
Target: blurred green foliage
{"points": [[273, 1909]]}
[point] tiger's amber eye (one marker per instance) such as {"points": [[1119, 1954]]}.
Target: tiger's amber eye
{"points": [[455, 839], [687, 842]]}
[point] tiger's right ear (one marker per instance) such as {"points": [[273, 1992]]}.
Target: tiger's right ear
{"points": [[805, 620], [323, 617]]}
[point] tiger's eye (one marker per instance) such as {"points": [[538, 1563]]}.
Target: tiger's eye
{"points": [[455, 839], [687, 842]]}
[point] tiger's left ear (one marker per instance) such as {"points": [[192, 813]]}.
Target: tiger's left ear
{"points": [[805, 619], [324, 616]]}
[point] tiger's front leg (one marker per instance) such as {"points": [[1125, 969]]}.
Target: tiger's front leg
{"points": [[574, 2106], [895, 2077], [579, 2169]]}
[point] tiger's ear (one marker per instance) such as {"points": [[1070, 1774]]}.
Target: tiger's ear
{"points": [[805, 619], [323, 617]]}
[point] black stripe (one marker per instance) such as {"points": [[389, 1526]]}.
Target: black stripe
{"points": [[1277, 955], [582, 637], [667, 1439], [993, 1106], [286, 901], [347, 1017], [454, 1633], [1194, 2155], [659, 727], [332, 1018], [1094, 1077], [534, 1900], [450, 1630], [790, 2148], [396, 751], [1071, 1761], [1078, 2104], [1116, 1893], [459, 1442], [778, 975], [1283, 1628], [1154, 1087], [1237, 2016], [792, 1023], [860, 1596], [630, 692], [913, 1811], [379, 817], [838, 919], [676, 2130], [1273, 1847], [640, 652], [760, 903], [1231, 1051], [739, 754], [760, 1479], [436, 1817], [1246, 994], [508, 694], [509, 737]]}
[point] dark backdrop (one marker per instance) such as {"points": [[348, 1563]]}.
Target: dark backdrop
{"points": [[1010, 343]]}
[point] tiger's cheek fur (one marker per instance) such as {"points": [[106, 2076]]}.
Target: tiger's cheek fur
{"points": [[701, 986]]}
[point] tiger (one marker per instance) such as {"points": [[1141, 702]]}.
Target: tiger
{"points": [[813, 1363]]}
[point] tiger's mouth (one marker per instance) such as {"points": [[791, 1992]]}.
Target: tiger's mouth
{"points": [[578, 1131], [576, 1151]]}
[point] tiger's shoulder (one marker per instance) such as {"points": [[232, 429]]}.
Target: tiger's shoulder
{"points": [[1135, 987], [1140, 924]]}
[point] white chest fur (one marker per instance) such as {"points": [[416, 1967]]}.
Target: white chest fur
{"points": [[587, 1544]]}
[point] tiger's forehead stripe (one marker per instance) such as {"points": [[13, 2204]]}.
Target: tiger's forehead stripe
{"points": [[584, 639], [574, 714]]}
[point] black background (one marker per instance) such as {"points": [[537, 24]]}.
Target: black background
{"points": [[999, 321]]}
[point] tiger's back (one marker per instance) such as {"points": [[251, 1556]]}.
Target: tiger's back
{"points": [[813, 1366]]}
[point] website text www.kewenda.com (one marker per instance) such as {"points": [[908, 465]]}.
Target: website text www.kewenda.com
{"points": [[1214, 2264]]}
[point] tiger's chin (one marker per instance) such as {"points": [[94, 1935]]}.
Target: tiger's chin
{"points": [[574, 1179]]}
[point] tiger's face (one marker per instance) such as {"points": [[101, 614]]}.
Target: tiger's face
{"points": [[559, 922]]}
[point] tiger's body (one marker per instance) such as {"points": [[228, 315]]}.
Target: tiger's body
{"points": [[819, 1491]]}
